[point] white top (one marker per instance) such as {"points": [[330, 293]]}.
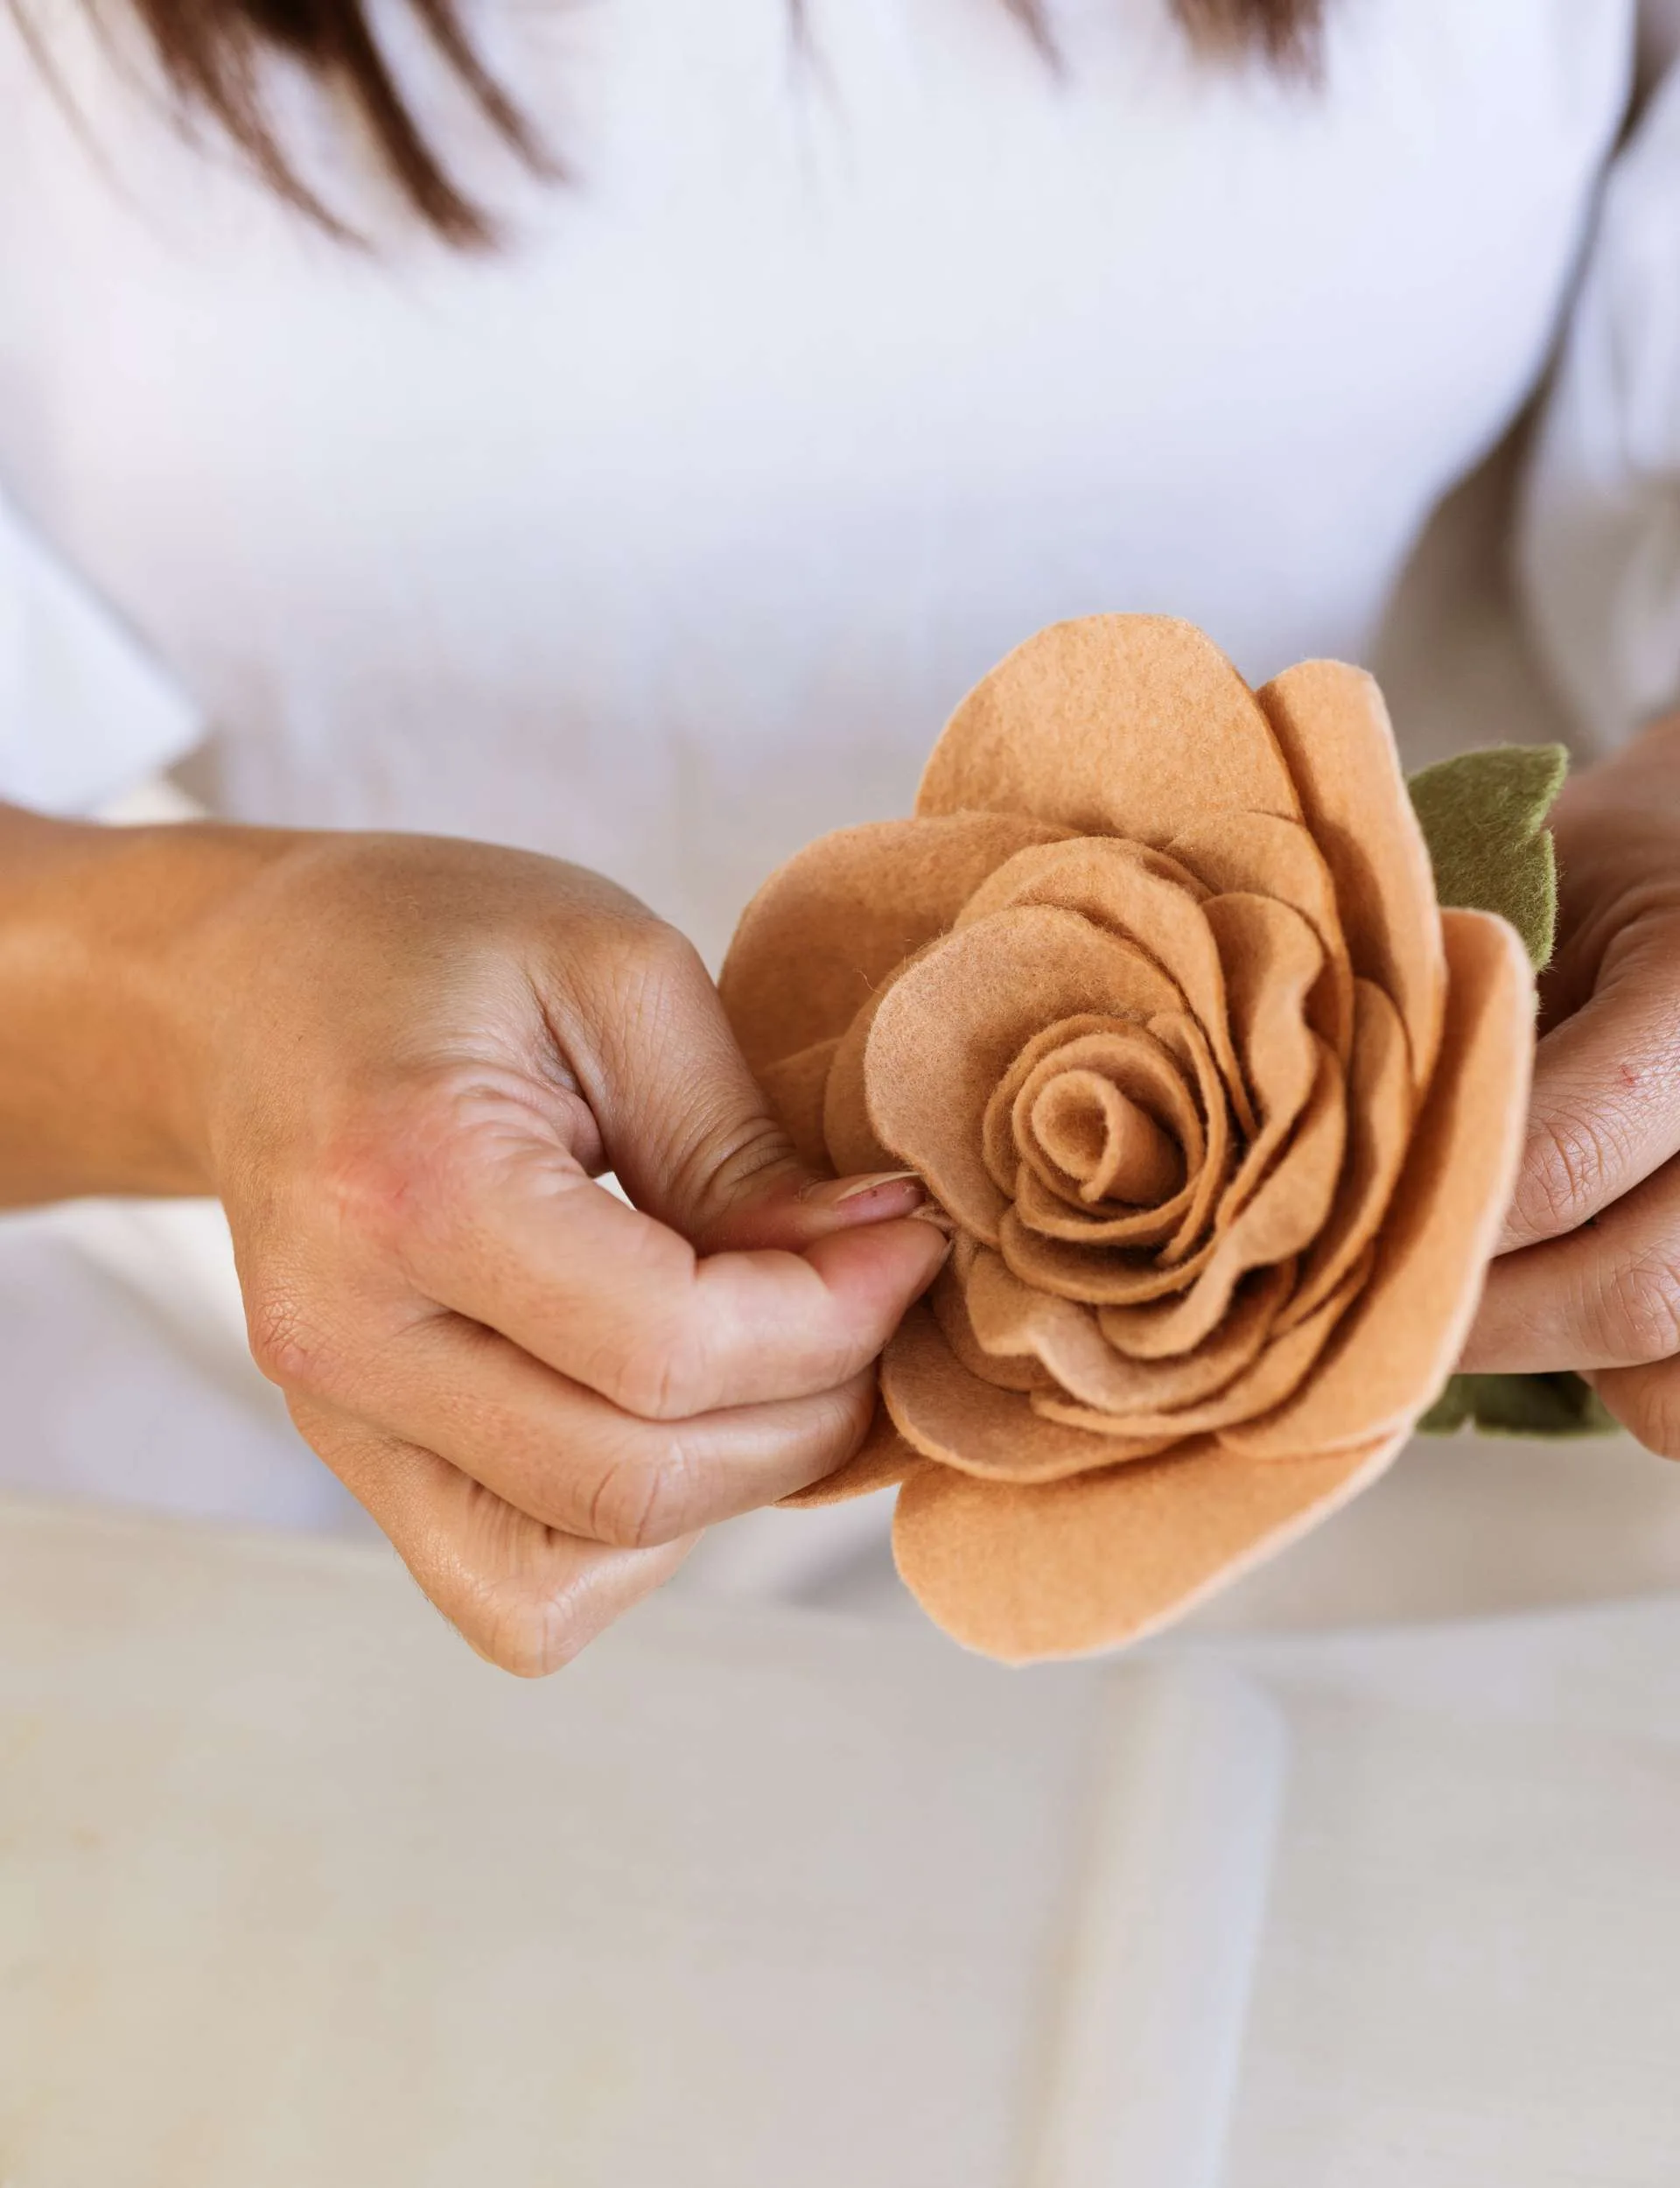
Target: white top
{"points": [[666, 538]]}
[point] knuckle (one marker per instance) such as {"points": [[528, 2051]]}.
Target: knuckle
{"points": [[739, 1154], [653, 966], [1642, 1308], [289, 1344], [642, 1502], [1568, 1170], [660, 1375], [522, 1630], [409, 1172]]}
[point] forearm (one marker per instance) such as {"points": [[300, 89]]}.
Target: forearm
{"points": [[101, 1007]]}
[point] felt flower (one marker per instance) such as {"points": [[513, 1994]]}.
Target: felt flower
{"points": [[1155, 993]]}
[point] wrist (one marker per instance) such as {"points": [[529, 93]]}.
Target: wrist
{"points": [[109, 1001]]}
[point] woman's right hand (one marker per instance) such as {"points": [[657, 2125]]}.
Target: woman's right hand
{"points": [[399, 1061]]}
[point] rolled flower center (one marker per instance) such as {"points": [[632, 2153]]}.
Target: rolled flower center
{"points": [[1107, 1144]]}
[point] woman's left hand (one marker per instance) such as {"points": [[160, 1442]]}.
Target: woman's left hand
{"points": [[1589, 1272]]}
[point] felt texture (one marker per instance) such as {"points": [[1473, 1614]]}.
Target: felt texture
{"points": [[1025, 1573], [1520, 1406], [1129, 725], [1223, 1109], [1334, 729], [1483, 817], [860, 902], [1409, 1324]]}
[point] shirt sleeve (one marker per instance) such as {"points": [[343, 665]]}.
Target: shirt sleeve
{"points": [[85, 713], [1597, 542]]}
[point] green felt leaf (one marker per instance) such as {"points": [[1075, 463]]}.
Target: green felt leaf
{"points": [[1519, 1406], [1483, 817]]}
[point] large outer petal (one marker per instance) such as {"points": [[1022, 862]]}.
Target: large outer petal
{"points": [[1115, 725], [1064, 1569], [1333, 728], [827, 927], [1399, 1341]]}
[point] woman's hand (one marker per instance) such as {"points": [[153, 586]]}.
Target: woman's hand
{"points": [[398, 1061], [1589, 1274]]}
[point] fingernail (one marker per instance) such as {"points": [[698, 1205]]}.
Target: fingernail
{"points": [[838, 1192]]}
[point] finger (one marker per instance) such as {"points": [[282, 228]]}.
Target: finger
{"points": [[614, 1299], [565, 1456], [685, 1125], [1606, 1296], [1605, 1111], [1646, 1400], [525, 1596]]}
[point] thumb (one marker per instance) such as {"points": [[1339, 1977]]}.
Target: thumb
{"points": [[688, 1131]]}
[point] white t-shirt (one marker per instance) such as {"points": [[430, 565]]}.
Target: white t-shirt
{"points": [[665, 538]]}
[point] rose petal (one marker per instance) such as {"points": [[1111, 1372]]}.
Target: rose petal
{"points": [[1104, 1144], [1256, 854], [952, 1416], [1396, 1347], [881, 1461], [1276, 1374], [1139, 1062], [1010, 1319], [1065, 1568], [1092, 1275], [950, 1024], [1179, 1221], [1038, 1209], [1007, 1369], [1137, 894], [1380, 1106], [848, 1131], [1137, 1104], [794, 1089], [1334, 732], [1182, 1037], [828, 926], [1272, 959], [1285, 1215], [1129, 725]]}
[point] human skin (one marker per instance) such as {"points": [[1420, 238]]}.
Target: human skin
{"points": [[398, 1061], [1589, 1277]]}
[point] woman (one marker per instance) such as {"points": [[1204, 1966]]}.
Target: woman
{"points": [[655, 533]]}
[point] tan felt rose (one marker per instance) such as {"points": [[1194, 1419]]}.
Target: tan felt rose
{"points": [[1155, 993]]}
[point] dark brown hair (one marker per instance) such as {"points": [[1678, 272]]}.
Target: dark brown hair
{"points": [[213, 52]]}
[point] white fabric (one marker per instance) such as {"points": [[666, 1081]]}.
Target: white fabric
{"points": [[296, 1887], [85, 712], [666, 538], [1601, 543]]}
